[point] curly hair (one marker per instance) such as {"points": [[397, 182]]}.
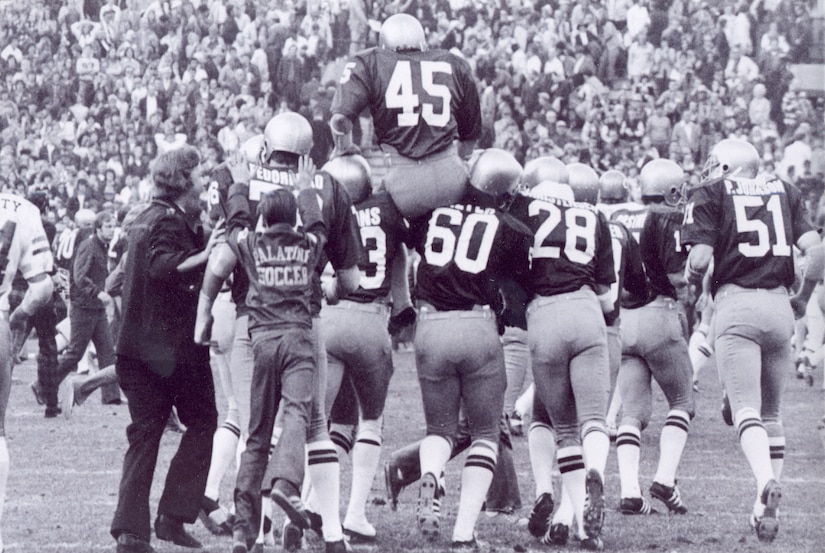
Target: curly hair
{"points": [[172, 171]]}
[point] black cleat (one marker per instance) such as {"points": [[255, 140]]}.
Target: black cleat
{"points": [[540, 516], [556, 535], [767, 526], [429, 518], [669, 496], [594, 512], [636, 506]]}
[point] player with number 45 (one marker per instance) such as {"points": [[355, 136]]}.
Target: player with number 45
{"points": [[422, 101], [746, 222]]}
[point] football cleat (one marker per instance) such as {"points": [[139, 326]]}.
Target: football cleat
{"points": [[469, 545], [594, 512], [428, 512], [767, 525], [286, 497], [340, 546], [393, 483], [636, 506], [669, 496], [292, 536], [540, 516], [592, 544], [556, 535]]}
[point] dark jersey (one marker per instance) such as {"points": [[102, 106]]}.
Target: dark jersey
{"points": [[219, 183], [280, 263], [64, 249], [631, 283], [466, 250], [751, 225], [343, 247], [662, 251], [420, 101], [383, 232], [572, 245]]}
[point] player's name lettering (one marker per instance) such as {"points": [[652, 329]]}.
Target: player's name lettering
{"points": [[631, 220], [368, 217], [284, 177], [754, 188], [548, 199], [291, 275], [9, 204], [265, 254], [473, 208]]}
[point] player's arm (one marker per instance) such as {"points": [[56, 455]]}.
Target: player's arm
{"points": [[811, 245], [38, 293], [468, 114], [605, 270], [221, 262], [350, 98]]}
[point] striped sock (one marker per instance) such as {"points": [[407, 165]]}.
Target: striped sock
{"points": [[342, 436], [628, 451], [595, 445], [671, 445], [475, 481], [571, 466], [365, 456], [542, 446], [224, 446], [754, 441], [776, 443], [324, 473]]}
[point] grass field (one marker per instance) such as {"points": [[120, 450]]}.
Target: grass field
{"points": [[63, 484]]}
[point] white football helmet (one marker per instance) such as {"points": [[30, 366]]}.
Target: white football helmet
{"points": [[252, 149], [612, 187], [662, 177], [545, 169], [354, 173], [495, 172], [731, 157], [287, 132], [585, 183], [402, 32]]}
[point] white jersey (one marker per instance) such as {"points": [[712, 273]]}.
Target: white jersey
{"points": [[23, 242], [631, 214]]}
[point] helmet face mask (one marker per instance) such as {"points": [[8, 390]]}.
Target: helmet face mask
{"points": [[402, 32]]}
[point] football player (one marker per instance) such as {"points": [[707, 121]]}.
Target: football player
{"points": [[654, 345], [354, 330], [421, 101], [466, 250], [25, 247], [569, 286], [748, 223]]}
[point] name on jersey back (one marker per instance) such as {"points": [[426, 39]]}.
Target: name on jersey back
{"points": [[754, 187]]}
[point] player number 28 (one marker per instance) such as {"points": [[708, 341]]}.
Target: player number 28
{"points": [[471, 250], [401, 94], [580, 235], [760, 227]]}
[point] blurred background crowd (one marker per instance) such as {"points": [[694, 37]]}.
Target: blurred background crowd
{"points": [[91, 91]]}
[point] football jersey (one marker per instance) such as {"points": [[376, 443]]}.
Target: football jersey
{"points": [[466, 249], [383, 231], [662, 251], [752, 225], [572, 245], [23, 243], [64, 247], [343, 248], [630, 214], [420, 101], [631, 283]]}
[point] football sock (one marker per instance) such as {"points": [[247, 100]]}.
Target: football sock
{"points": [[475, 481], [595, 445], [776, 443], [433, 454], [571, 466], [324, 474], [564, 512], [542, 446], [365, 457], [224, 446], [628, 449], [754, 441], [671, 445], [699, 351], [524, 404], [342, 436]]}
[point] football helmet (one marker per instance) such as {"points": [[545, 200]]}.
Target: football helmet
{"points": [[731, 157], [612, 187], [402, 32], [495, 172], [545, 169], [354, 173], [584, 181], [252, 149], [287, 132], [662, 177]]}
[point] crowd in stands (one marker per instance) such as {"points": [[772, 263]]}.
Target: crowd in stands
{"points": [[91, 92]]}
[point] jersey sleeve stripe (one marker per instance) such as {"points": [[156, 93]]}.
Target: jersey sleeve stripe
{"points": [[40, 250]]}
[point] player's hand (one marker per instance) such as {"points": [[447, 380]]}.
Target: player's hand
{"points": [[203, 329], [401, 320], [238, 167], [306, 173], [18, 319], [798, 305]]}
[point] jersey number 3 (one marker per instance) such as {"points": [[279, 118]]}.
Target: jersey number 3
{"points": [[401, 94]]}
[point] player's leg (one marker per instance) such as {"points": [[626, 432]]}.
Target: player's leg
{"points": [[440, 392], [105, 347], [541, 443], [417, 186], [483, 383], [614, 355], [519, 374], [44, 321], [82, 323]]}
